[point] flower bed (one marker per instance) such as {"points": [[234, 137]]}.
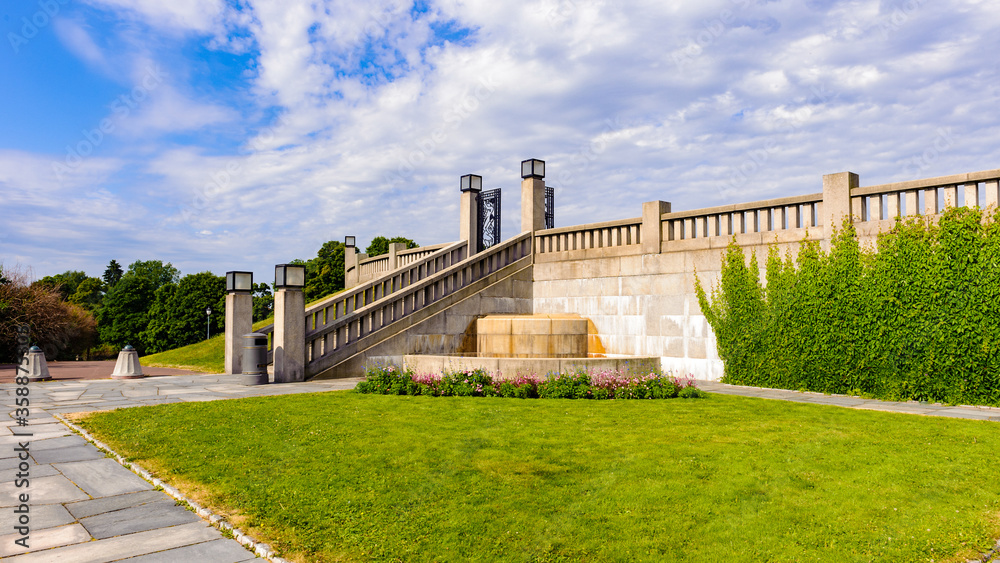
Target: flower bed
{"points": [[581, 384]]}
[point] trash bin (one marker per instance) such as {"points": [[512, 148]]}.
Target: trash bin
{"points": [[254, 359]]}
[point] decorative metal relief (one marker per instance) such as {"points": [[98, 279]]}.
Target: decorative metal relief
{"points": [[489, 218], [550, 208]]}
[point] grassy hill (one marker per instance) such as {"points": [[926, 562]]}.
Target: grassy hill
{"points": [[208, 356]]}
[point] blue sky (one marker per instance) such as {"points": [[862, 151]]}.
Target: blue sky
{"points": [[221, 135]]}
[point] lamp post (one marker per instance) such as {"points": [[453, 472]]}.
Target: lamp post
{"points": [[532, 195], [469, 228], [208, 322], [351, 276], [239, 317], [289, 336]]}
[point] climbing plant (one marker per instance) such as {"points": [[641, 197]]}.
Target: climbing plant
{"points": [[915, 317]]}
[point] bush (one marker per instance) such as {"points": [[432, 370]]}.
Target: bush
{"points": [[390, 380]]}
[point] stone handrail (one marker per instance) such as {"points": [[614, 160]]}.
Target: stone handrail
{"points": [[624, 232], [372, 267], [413, 254], [925, 197], [325, 339], [786, 213], [325, 311]]}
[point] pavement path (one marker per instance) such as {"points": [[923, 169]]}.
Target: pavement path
{"points": [[84, 506]]}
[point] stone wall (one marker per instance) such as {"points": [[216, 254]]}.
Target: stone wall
{"points": [[635, 278]]}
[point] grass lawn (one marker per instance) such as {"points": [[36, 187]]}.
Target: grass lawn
{"points": [[347, 477]]}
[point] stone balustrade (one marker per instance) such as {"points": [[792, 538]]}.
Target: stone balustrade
{"points": [[926, 197], [440, 257], [799, 212], [337, 332], [609, 234]]}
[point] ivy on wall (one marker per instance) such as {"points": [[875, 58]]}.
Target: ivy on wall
{"points": [[917, 320]]}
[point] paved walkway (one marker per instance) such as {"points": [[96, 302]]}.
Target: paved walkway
{"points": [[84, 506]]}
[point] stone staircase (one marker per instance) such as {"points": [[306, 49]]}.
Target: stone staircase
{"points": [[425, 306]]}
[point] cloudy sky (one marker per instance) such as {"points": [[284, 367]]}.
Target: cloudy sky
{"points": [[238, 134]]}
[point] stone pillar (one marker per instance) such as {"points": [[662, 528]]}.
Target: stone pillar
{"points": [[532, 204], [351, 272], [239, 321], [652, 231], [468, 220], [837, 200], [394, 249], [289, 335]]}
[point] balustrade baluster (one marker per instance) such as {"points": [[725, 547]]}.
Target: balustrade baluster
{"points": [[892, 205], [972, 194], [990, 195], [911, 202]]}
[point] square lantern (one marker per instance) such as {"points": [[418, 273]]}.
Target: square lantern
{"points": [[239, 282], [472, 183], [349, 242], [290, 276], [532, 168]]}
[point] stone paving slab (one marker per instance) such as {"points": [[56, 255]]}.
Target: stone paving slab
{"points": [[102, 477], [42, 516], [76, 453], [86, 508], [45, 539], [150, 516], [122, 547], [218, 551], [44, 490]]}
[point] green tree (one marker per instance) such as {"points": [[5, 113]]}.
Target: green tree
{"points": [[112, 274], [380, 245], [263, 301], [65, 283], [325, 272], [177, 316], [124, 316], [155, 271], [89, 294]]}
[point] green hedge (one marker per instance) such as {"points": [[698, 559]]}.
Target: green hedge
{"points": [[916, 320]]}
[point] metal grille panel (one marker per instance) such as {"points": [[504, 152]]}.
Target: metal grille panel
{"points": [[550, 208], [489, 218]]}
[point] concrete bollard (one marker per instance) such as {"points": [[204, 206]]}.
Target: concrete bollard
{"points": [[127, 366], [33, 366], [254, 359]]}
